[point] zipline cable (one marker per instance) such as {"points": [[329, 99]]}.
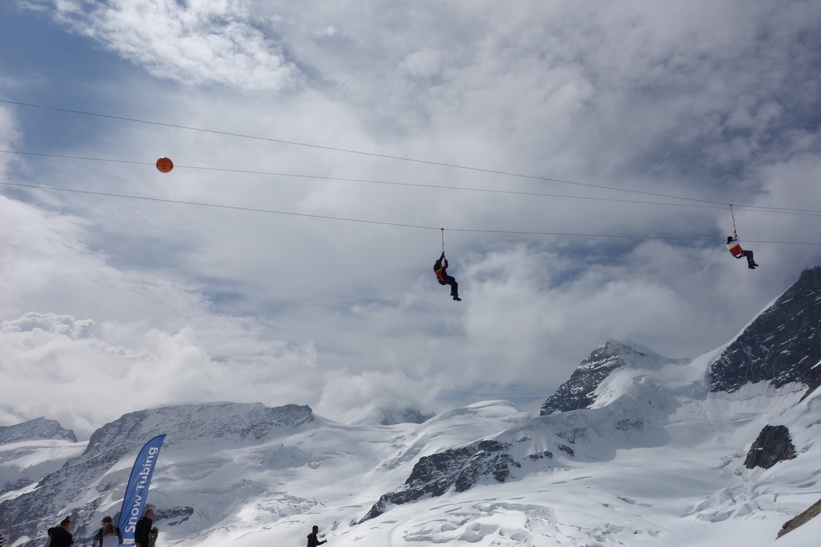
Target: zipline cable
{"points": [[384, 223], [781, 210], [358, 152]]}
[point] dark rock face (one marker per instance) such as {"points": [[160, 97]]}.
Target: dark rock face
{"points": [[536, 445], [459, 468], [577, 392], [781, 345], [174, 515], [39, 428], [803, 518], [773, 445]]}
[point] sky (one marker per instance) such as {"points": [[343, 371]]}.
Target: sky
{"points": [[576, 161]]}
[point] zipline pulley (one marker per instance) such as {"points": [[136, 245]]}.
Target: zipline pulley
{"points": [[443, 240]]}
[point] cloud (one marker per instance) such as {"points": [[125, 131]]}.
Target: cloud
{"points": [[9, 134], [305, 113], [63, 325], [71, 370], [197, 42]]}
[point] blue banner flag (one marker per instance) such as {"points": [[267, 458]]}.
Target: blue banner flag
{"points": [[136, 493]]}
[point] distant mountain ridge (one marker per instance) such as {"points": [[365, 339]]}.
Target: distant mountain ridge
{"points": [[21, 465], [38, 428]]}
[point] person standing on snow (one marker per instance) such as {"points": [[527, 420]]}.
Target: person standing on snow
{"points": [[60, 537], [110, 537], [313, 541], [98, 537], [143, 528]]}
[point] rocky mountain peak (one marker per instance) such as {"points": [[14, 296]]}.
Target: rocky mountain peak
{"points": [[780, 346], [578, 392]]}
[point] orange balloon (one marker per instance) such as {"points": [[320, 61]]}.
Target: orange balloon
{"points": [[165, 165]]}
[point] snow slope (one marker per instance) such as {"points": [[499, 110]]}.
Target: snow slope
{"points": [[24, 463], [678, 481], [636, 449]]}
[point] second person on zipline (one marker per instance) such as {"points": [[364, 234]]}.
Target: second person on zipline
{"points": [[440, 268]]}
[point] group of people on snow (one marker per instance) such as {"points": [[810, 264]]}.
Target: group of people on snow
{"points": [[109, 535]]}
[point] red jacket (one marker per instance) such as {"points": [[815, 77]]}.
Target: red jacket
{"points": [[440, 270], [735, 248]]}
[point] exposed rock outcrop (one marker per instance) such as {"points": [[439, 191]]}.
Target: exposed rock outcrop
{"points": [[773, 445], [459, 468], [804, 517]]}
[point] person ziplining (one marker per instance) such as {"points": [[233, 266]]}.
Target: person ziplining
{"points": [[734, 246], [440, 268]]}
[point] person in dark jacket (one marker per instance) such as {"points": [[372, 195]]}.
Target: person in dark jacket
{"points": [[313, 541], [98, 537], [60, 536], [440, 268], [143, 529]]}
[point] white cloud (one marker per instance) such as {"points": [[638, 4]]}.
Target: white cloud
{"points": [[425, 63], [196, 42], [9, 134], [233, 304]]}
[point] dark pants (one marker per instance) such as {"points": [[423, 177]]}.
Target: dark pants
{"points": [[749, 256], [454, 286]]}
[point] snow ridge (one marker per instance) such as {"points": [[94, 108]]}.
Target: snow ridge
{"points": [[39, 428]]}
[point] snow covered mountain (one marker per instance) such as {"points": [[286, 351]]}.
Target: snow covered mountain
{"points": [[39, 428], [31, 450], [635, 449], [781, 346], [579, 391]]}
